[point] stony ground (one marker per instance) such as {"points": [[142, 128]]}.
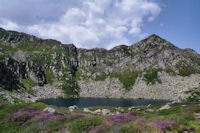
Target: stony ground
{"points": [[42, 118]]}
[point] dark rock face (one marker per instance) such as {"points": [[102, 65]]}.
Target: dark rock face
{"points": [[123, 71], [8, 79]]}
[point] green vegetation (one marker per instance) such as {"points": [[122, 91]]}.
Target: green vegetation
{"points": [[28, 82], [151, 76], [127, 78], [80, 75], [50, 77], [170, 72], [24, 89], [186, 69], [194, 95], [84, 125], [30, 118], [101, 78], [69, 86], [68, 90]]}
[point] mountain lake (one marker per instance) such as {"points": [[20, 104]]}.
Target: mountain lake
{"points": [[89, 102]]}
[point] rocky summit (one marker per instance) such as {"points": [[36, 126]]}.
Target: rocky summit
{"points": [[32, 68]]}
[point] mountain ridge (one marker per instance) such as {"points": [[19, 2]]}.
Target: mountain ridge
{"points": [[47, 68], [59, 42]]}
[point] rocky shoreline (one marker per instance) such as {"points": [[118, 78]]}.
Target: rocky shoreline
{"points": [[38, 93]]}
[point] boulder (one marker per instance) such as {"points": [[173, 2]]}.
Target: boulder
{"points": [[98, 111], [72, 108], [50, 110], [87, 110], [149, 105], [120, 109], [149, 110], [105, 112], [131, 108], [197, 115], [167, 106]]}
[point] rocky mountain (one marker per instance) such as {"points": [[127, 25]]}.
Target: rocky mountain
{"points": [[32, 68]]}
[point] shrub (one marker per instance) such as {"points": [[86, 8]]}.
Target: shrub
{"points": [[165, 124], [101, 78], [50, 77], [100, 128], [194, 95], [186, 69], [28, 82], [127, 78], [151, 76], [85, 124], [120, 118]]}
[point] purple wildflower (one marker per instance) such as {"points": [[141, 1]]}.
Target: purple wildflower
{"points": [[64, 128], [191, 107], [99, 128], [164, 124], [24, 114], [46, 116], [1, 105], [120, 118], [142, 121]]}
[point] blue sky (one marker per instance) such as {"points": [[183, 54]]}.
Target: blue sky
{"points": [[180, 19], [105, 23]]}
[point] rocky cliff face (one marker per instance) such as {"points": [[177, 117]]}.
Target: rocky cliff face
{"points": [[32, 68]]}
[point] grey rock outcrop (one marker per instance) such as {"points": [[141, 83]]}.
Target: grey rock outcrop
{"points": [[152, 68]]}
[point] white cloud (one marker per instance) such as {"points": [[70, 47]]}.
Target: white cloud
{"points": [[95, 23], [8, 25], [161, 25]]}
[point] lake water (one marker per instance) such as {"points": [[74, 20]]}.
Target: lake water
{"points": [[88, 102]]}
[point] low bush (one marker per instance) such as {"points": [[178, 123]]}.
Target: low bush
{"points": [[151, 76], [85, 124]]}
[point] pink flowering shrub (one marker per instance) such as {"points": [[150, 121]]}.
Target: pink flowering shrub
{"points": [[45, 116], [120, 118], [165, 124], [22, 115], [192, 108], [99, 128]]}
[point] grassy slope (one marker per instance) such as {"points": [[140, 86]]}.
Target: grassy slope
{"points": [[30, 118]]}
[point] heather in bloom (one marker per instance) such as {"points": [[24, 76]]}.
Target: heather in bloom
{"points": [[165, 124], [1, 105], [85, 124], [194, 108], [142, 121], [24, 114], [120, 118], [46, 116], [99, 128], [69, 117]]}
